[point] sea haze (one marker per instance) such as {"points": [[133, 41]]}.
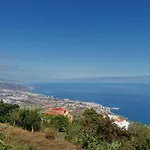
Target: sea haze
{"points": [[133, 99]]}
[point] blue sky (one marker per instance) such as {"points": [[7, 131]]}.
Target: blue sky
{"points": [[46, 40]]}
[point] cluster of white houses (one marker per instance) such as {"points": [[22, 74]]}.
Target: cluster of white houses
{"points": [[119, 121]]}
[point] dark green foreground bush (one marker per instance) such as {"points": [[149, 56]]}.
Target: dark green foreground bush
{"points": [[94, 132]]}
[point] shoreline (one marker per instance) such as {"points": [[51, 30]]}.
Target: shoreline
{"points": [[32, 99], [68, 103]]}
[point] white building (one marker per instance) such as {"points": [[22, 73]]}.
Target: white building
{"points": [[120, 122]]}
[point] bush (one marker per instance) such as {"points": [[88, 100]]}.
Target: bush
{"points": [[31, 147], [49, 133], [59, 123], [98, 133], [3, 145], [29, 120], [74, 129], [5, 110]]}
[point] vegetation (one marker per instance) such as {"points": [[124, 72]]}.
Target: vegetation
{"points": [[89, 131], [29, 120], [6, 110], [3, 145], [20, 139], [59, 123], [92, 131], [49, 133]]}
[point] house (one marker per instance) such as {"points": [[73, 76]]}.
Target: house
{"points": [[59, 111], [119, 121]]}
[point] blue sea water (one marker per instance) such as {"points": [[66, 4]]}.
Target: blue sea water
{"points": [[133, 99]]}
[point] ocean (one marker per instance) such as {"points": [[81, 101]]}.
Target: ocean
{"points": [[133, 99]]}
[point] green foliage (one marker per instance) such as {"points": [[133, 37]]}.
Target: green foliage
{"points": [[6, 110], [59, 123], [14, 117], [102, 128], [31, 147], [25, 118], [73, 131], [94, 132], [115, 146], [29, 119], [3, 145], [141, 136]]}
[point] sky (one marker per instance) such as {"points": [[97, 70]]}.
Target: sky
{"points": [[43, 40]]}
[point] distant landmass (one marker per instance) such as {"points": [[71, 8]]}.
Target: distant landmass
{"points": [[136, 79], [13, 85]]}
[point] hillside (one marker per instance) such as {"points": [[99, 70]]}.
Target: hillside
{"points": [[13, 86], [89, 130], [19, 138]]}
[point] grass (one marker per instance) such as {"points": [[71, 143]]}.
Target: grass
{"points": [[18, 137]]}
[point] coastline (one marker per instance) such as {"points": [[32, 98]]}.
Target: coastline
{"points": [[77, 104], [32, 99]]}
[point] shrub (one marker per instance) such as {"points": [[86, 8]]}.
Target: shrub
{"points": [[115, 146], [49, 133], [5, 110], [31, 147], [3, 145], [29, 120], [59, 123], [74, 129]]}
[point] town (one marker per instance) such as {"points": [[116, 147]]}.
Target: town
{"points": [[46, 103], [27, 99]]}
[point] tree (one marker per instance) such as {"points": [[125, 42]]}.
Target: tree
{"points": [[34, 120], [14, 117], [29, 119], [60, 123], [6, 110]]}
